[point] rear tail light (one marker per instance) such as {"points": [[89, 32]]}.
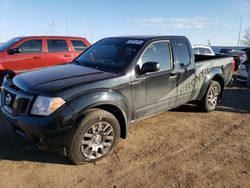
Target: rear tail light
{"points": [[233, 65]]}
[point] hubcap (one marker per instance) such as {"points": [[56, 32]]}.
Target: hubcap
{"points": [[213, 97], [97, 140]]}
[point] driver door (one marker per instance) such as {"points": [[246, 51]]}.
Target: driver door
{"points": [[156, 91], [30, 57]]}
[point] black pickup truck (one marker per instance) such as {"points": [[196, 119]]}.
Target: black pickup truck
{"points": [[83, 108]]}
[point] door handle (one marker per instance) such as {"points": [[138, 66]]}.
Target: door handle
{"points": [[137, 81], [173, 76], [67, 55], [37, 57]]}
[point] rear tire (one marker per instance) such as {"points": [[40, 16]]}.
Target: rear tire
{"points": [[210, 100], [94, 138]]}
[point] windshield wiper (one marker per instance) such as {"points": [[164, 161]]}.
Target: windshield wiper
{"points": [[95, 66], [85, 64], [90, 65]]}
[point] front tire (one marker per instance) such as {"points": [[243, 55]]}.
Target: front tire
{"points": [[210, 100], [94, 138]]}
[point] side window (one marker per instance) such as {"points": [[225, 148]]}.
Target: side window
{"points": [[183, 52], [55, 45], [195, 50], [158, 52], [31, 46], [78, 45], [203, 51], [208, 51]]}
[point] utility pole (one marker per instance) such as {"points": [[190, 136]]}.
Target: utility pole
{"points": [[239, 31], [67, 27], [209, 42], [53, 25]]}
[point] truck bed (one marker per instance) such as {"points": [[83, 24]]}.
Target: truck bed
{"points": [[199, 58]]}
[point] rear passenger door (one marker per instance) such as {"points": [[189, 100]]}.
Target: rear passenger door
{"points": [[57, 52], [184, 64]]}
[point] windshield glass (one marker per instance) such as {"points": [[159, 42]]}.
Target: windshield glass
{"points": [[111, 54], [9, 43]]}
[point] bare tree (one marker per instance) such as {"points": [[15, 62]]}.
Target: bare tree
{"points": [[246, 38]]}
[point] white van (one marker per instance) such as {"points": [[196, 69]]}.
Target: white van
{"points": [[203, 50]]}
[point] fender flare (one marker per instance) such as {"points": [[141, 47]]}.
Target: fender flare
{"points": [[101, 99], [215, 74]]}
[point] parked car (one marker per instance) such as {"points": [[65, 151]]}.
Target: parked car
{"points": [[200, 51], [247, 51], [225, 50], [83, 108], [203, 50], [23, 54], [243, 71], [239, 57]]}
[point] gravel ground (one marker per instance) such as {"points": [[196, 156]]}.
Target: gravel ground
{"points": [[177, 148]]}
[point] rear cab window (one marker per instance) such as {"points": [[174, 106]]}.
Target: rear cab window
{"points": [[57, 45], [78, 45], [182, 52]]}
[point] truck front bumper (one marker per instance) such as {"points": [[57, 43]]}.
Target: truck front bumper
{"points": [[46, 133]]}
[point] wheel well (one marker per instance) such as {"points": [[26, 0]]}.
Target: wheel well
{"points": [[119, 116], [221, 82]]}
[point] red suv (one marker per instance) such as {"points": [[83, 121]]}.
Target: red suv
{"points": [[22, 54]]}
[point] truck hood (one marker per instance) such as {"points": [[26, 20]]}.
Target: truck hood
{"points": [[50, 80]]}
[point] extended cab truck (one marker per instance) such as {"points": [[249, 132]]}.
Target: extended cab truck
{"points": [[84, 108], [23, 54]]}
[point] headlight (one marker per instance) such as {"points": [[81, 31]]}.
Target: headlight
{"points": [[45, 106]]}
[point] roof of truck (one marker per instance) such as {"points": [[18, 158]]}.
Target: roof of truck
{"points": [[148, 37]]}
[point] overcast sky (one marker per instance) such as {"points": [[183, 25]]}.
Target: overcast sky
{"points": [[200, 21]]}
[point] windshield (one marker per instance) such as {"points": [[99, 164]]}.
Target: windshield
{"points": [[9, 43], [111, 54]]}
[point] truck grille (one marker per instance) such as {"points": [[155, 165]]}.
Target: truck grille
{"points": [[15, 102], [9, 99]]}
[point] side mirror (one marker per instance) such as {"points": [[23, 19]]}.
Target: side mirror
{"points": [[9, 74], [14, 51], [149, 67]]}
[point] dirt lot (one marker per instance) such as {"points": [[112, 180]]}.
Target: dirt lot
{"points": [[179, 148]]}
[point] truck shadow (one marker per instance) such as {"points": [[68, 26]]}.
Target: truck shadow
{"points": [[16, 149]]}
